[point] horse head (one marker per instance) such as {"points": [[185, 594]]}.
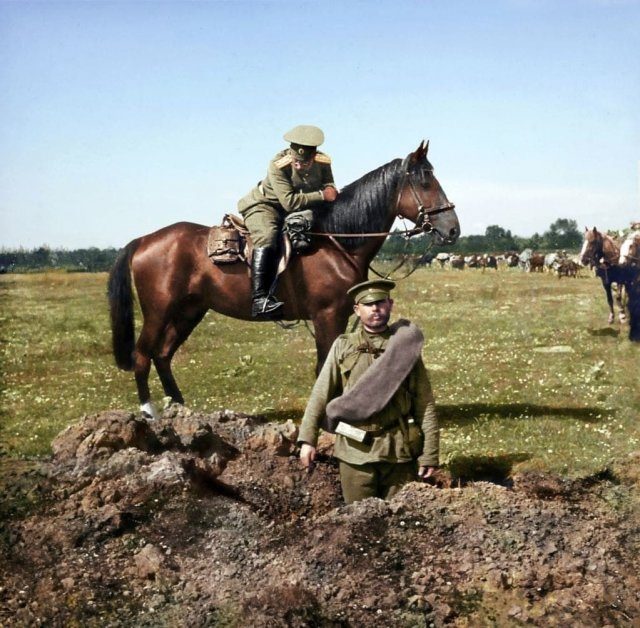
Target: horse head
{"points": [[630, 251], [422, 200], [592, 247]]}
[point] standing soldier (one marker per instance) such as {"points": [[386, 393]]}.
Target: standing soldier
{"points": [[374, 393], [297, 178]]}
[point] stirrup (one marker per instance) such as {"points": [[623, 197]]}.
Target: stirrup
{"points": [[266, 307]]}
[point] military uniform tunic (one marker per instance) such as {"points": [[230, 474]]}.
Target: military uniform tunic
{"points": [[349, 357], [282, 191]]}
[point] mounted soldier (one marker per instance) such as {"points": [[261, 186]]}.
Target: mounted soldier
{"points": [[298, 178], [177, 284]]}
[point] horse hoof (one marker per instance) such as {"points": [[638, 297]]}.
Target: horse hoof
{"points": [[149, 411]]}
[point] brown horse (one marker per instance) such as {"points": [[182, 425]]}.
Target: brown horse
{"points": [[177, 284], [601, 251]]}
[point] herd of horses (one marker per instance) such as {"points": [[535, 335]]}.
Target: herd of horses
{"points": [[177, 284], [559, 263]]}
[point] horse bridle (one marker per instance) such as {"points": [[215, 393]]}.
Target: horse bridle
{"points": [[597, 251], [422, 222]]}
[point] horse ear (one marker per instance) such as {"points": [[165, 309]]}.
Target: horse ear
{"points": [[419, 153], [426, 148]]}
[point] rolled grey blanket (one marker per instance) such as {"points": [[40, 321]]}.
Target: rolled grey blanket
{"points": [[373, 391]]}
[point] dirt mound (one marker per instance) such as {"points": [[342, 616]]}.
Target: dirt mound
{"points": [[200, 520]]}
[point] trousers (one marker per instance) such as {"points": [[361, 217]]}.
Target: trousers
{"points": [[264, 223], [375, 479]]}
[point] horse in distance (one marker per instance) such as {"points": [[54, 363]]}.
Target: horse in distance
{"points": [[630, 251], [629, 261], [602, 252], [177, 284]]}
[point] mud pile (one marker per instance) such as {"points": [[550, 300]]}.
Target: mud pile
{"points": [[201, 520]]}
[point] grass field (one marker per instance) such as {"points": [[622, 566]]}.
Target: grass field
{"points": [[524, 367]]}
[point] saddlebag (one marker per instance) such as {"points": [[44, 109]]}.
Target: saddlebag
{"points": [[224, 245]]}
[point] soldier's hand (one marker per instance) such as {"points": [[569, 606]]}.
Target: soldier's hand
{"points": [[330, 194], [307, 456], [426, 472]]}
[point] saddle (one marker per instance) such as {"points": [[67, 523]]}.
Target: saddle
{"points": [[230, 242]]}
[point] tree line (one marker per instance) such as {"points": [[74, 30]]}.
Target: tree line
{"points": [[562, 234], [91, 260]]}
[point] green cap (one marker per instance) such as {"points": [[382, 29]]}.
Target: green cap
{"points": [[371, 291], [302, 153], [305, 135]]}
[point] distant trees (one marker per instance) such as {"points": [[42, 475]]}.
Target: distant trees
{"points": [[562, 234], [79, 260], [498, 239]]}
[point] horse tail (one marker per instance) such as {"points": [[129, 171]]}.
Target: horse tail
{"points": [[121, 308]]}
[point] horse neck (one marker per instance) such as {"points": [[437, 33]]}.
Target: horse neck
{"points": [[610, 250], [364, 206]]}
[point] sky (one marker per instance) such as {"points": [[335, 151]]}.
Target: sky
{"points": [[119, 118]]}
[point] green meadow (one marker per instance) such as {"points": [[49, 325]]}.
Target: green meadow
{"points": [[525, 369]]}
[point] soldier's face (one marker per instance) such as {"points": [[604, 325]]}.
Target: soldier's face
{"points": [[302, 166], [374, 316]]}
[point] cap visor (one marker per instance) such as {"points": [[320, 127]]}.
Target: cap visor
{"points": [[372, 297]]}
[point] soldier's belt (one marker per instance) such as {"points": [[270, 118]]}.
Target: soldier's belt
{"points": [[364, 436]]}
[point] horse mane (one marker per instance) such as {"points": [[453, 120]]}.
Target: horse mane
{"points": [[614, 244], [361, 207]]}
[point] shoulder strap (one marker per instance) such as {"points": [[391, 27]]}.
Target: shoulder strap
{"points": [[284, 161], [322, 158]]}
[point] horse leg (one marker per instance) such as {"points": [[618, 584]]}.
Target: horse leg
{"points": [[622, 316], [141, 368], [149, 336], [175, 334], [607, 290], [328, 325]]}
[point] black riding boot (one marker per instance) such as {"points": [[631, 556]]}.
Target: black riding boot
{"points": [[263, 273]]}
